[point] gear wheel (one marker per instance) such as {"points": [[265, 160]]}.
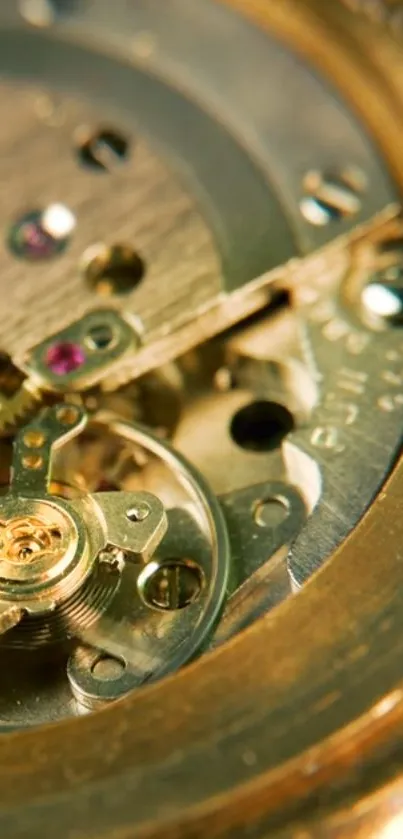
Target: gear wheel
{"points": [[225, 179], [19, 397]]}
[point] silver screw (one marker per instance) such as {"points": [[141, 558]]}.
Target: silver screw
{"points": [[382, 297], [107, 669], [102, 149], [331, 197], [138, 513]]}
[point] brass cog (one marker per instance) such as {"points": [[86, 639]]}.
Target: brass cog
{"points": [[293, 728], [18, 407], [19, 397]]}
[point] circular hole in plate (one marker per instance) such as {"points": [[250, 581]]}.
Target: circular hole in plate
{"points": [[34, 439], [113, 270], [261, 426], [100, 337], [32, 461], [271, 512], [67, 414]]}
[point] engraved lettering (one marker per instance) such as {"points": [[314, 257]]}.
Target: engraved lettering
{"points": [[390, 403], [352, 380], [392, 378], [357, 342], [335, 329], [327, 437]]}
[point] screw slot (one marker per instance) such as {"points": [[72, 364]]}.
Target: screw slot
{"points": [[101, 149], [138, 513], [171, 584], [332, 197], [114, 270]]}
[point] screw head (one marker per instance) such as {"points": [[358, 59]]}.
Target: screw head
{"points": [[112, 558], [382, 297], [138, 513], [41, 234]]}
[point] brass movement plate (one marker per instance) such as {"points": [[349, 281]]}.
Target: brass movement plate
{"points": [[290, 724]]}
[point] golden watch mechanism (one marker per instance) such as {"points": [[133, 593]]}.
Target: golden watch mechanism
{"points": [[201, 407]]}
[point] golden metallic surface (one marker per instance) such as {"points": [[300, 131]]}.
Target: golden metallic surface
{"points": [[18, 396], [387, 12], [140, 203], [49, 545], [129, 356], [151, 599], [308, 702], [103, 337], [294, 727]]}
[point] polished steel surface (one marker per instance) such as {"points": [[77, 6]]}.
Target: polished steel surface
{"points": [[184, 526]]}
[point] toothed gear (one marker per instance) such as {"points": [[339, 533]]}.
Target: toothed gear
{"points": [[18, 406]]}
